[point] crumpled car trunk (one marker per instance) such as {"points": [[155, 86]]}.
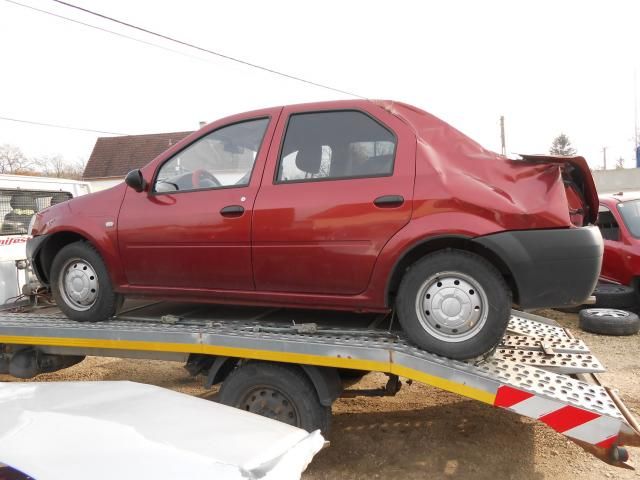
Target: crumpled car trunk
{"points": [[533, 191], [580, 188]]}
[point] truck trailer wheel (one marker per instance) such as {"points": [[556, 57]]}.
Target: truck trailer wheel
{"points": [[278, 391], [80, 284], [454, 303], [609, 321]]}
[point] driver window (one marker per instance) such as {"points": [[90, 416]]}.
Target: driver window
{"points": [[223, 158]]}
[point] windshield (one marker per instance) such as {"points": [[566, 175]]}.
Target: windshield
{"points": [[18, 206], [630, 212]]}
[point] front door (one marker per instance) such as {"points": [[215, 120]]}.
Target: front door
{"points": [[192, 229], [338, 188]]}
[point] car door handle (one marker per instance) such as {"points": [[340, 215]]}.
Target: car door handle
{"points": [[389, 201], [232, 211]]}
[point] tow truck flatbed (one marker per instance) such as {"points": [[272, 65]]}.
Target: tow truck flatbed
{"points": [[539, 370]]}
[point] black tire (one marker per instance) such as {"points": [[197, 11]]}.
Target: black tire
{"points": [[474, 267], [106, 302], [611, 295], [608, 321], [286, 387]]}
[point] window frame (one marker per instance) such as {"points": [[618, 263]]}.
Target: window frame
{"points": [[333, 179], [610, 210], [154, 179], [623, 219]]}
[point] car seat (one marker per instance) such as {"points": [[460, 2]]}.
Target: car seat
{"points": [[309, 159], [17, 221]]}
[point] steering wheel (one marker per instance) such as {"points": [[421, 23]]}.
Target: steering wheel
{"points": [[202, 174]]}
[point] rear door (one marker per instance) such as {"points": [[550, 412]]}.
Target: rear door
{"points": [[339, 186]]}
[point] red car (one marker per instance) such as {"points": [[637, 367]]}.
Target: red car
{"points": [[619, 223], [354, 205]]}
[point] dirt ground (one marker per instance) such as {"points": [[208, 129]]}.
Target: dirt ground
{"points": [[424, 432]]}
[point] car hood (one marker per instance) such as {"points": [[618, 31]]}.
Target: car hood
{"points": [[104, 204], [125, 430]]}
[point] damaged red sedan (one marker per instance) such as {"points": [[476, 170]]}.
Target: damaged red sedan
{"points": [[353, 205]]}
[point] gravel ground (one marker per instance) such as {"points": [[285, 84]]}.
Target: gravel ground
{"points": [[423, 432]]}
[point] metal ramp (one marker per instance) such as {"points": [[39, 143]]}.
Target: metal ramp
{"points": [[539, 370]]}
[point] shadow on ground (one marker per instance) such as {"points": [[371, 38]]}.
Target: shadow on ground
{"points": [[443, 441]]}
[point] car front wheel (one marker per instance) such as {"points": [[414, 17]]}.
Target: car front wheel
{"points": [[454, 303], [80, 284]]}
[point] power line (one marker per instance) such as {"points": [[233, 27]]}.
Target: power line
{"points": [[165, 37], [206, 50], [227, 57], [53, 125], [106, 30]]}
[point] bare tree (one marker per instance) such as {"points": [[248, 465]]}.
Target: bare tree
{"points": [[51, 166], [12, 160], [561, 145], [57, 166], [619, 163]]}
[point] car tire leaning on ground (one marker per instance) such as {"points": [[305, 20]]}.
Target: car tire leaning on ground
{"points": [[279, 391], [454, 303], [611, 295], [609, 321], [81, 285]]}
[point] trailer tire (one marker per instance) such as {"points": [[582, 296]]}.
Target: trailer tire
{"points": [[454, 303], [81, 285], [608, 321], [278, 391], [611, 295]]}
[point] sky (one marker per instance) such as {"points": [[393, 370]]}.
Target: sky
{"points": [[549, 67]]}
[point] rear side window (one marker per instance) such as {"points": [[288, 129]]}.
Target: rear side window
{"points": [[18, 206], [334, 145], [607, 224]]}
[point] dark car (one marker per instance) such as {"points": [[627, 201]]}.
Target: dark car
{"points": [[353, 205]]}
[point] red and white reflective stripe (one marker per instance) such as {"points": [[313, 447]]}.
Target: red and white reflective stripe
{"points": [[574, 422]]}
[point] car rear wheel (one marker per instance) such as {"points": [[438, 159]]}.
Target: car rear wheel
{"points": [[81, 285], [454, 303]]}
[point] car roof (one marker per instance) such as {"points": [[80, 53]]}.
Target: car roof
{"points": [[620, 197]]}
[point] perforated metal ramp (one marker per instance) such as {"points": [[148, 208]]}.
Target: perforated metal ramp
{"points": [[533, 372]]}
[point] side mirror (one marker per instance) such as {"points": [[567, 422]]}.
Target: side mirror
{"points": [[135, 180]]}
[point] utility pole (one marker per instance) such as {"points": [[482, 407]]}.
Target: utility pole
{"points": [[636, 134], [502, 138], [604, 157]]}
